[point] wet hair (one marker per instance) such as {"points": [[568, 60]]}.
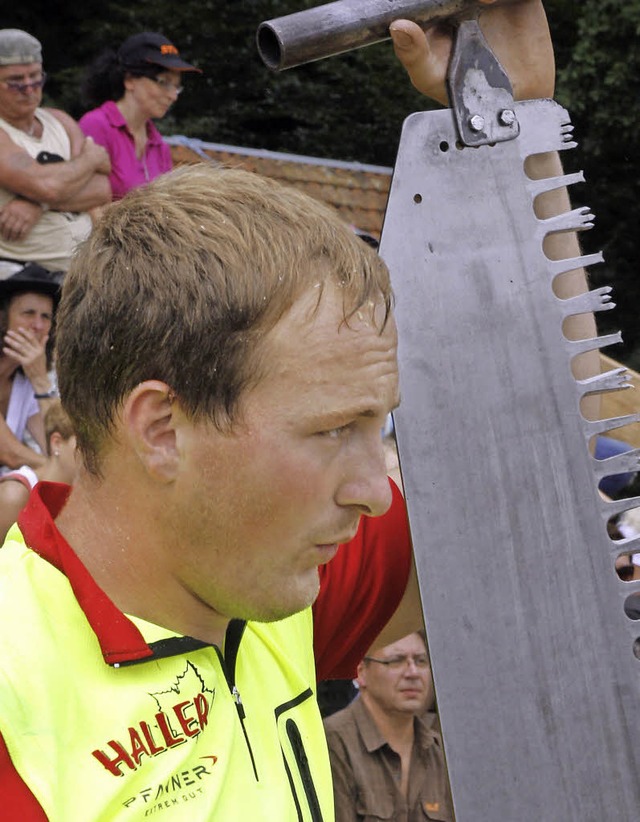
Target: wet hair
{"points": [[182, 279], [104, 78]]}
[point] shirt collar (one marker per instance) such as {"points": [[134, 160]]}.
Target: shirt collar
{"points": [[120, 640], [373, 740], [371, 736], [116, 119]]}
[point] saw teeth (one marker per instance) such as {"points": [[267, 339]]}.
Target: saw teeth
{"points": [[572, 263], [578, 219], [595, 427], [597, 300], [630, 545], [627, 462], [537, 187], [590, 344], [613, 508], [609, 381]]}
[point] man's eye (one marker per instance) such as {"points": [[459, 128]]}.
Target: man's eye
{"points": [[334, 433]]}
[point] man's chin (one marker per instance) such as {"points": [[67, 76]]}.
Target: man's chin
{"points": [[290, 602]]}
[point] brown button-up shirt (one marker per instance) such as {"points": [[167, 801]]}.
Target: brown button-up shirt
{"points": [[366, 771]]}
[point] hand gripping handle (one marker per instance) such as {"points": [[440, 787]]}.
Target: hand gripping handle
{"points": [[344, 25]]}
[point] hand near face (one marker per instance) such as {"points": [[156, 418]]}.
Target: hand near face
{"points": [[23, 346], [518, 34]]}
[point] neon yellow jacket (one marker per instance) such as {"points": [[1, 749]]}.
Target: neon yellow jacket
{"points": [[159, 731]]}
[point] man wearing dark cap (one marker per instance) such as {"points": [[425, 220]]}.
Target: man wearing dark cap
{"points": [[127, 90], [27, 301], [50, 174]]}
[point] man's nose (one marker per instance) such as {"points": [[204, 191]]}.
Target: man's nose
{"points": [[411, 666], [366, 486]]}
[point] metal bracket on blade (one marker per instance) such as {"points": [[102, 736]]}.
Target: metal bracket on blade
{"points": [[480, 92]]}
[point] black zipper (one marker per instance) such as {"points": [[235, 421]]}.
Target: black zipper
{"points": [[302, 761], [235, 629]]}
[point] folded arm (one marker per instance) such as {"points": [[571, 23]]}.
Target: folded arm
{"points": [[72, 185], [15, 453]]}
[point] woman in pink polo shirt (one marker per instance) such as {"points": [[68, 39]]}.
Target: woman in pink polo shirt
{"points": [[129, 89]]}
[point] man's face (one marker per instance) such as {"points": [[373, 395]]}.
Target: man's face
{"points": [[404, 684], [31, 312], [17, 103], [270, 501]]}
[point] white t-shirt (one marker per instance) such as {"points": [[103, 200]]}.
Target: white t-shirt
{"points": [[22, 405]]}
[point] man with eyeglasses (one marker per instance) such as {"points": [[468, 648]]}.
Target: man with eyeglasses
{"points": [[386, 757], [51, 175]]}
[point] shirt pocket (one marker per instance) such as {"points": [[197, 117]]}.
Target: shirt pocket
{"points": [[298, 759], [375, 805], [435, 811]]}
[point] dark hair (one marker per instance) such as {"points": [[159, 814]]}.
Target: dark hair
{"points": [[104, 79]]}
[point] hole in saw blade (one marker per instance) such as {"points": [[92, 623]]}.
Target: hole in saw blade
{"points": [[627, 569], [636, 648], [632, 607], [417, 198], [444, 146]]}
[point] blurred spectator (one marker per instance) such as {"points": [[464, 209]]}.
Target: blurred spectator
{"points": [[60, 466], [50, 174], [127, 90], [27, 302], [387, 759], [614, 484]]}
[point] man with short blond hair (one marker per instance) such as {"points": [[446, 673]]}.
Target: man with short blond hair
{"points": [[227, 356]]}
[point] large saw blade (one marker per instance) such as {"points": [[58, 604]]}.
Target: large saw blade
{"points": [[533, 656]]}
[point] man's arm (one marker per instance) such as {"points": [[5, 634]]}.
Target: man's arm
{"points": [[15, 453], [17, 800], [67, 185], [13, 498], [344, 781], [97, 191]]}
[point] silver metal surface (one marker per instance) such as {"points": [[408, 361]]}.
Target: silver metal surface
{"points": [[334, 28], [480, 92], [537, 683]]}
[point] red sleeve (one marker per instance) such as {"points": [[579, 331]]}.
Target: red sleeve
{"points": [[17, 800], [360, 590]]}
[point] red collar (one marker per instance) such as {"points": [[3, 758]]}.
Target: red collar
{"points": [[120, 640]]}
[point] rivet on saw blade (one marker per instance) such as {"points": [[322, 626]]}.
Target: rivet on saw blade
{"points": [[476, 122], [507, 117]]}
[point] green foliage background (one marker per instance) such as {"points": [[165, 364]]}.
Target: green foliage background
{"points": [[351, 107]]}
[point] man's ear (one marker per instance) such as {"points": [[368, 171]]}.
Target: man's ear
{"points": [[150, 417], [361, 676]]}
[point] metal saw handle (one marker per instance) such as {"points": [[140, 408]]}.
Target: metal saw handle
{"points": [[344, 25]]}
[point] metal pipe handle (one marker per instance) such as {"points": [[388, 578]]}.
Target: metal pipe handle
{"points": [[341, 26]]}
